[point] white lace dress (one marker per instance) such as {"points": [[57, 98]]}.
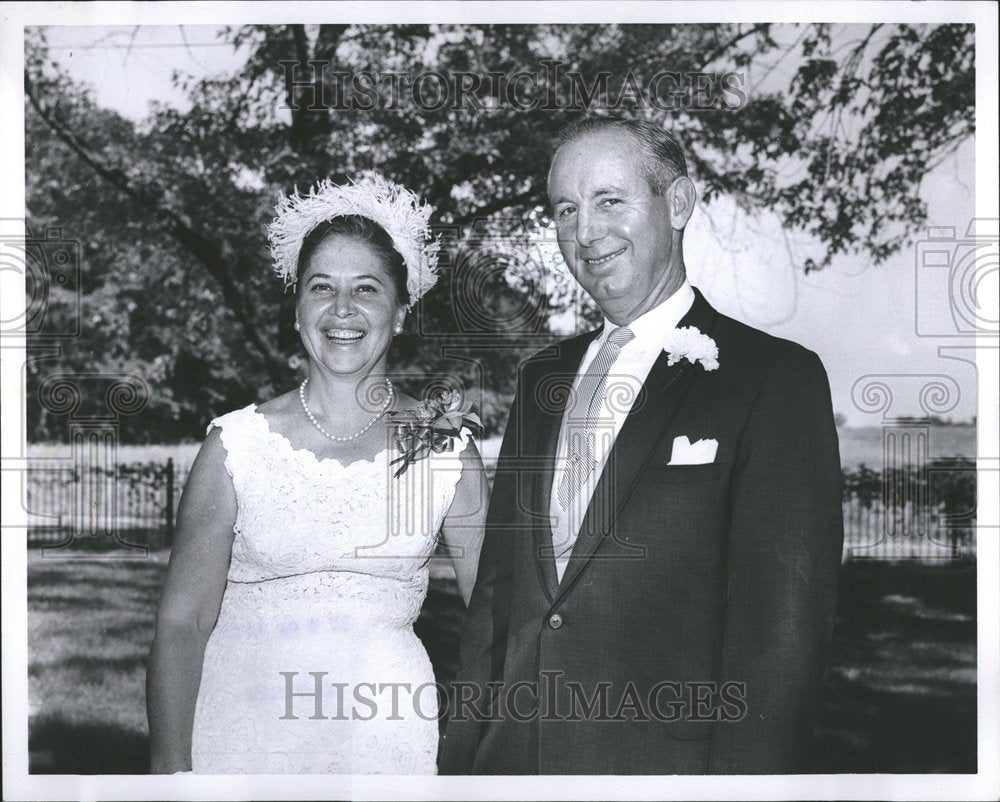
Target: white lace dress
{"points": [[313, 665]]}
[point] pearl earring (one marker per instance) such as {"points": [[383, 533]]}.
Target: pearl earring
{"points": [[297, 326]]}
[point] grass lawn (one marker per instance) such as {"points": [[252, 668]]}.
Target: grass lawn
{"points": [[90, 625], [901, 690]]}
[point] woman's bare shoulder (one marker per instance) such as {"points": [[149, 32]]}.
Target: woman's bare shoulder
{"points": [[282, 407]]}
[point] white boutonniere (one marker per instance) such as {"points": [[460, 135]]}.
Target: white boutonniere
{"points": [[690, 344]]}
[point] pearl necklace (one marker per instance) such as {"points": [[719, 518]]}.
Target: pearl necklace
{"points": [[356, 435]]}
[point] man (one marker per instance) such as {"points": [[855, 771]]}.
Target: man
{"points": [[657, 586]]}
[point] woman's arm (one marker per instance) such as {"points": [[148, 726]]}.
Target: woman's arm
{"points": [[189, 606], [462, 529]]}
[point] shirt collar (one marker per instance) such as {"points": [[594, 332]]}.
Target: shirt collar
{"points": [[651, 327]]}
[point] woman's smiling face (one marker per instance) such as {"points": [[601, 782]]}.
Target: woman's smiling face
{"points": [[347, 307]]}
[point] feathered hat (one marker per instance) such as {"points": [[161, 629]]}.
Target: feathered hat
{"points": [[399, 211]]}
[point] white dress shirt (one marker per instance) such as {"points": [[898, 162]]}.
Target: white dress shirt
{"points": [[625, 379]]}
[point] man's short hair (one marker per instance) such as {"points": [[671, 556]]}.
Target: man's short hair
{"points": [[662, 154]]}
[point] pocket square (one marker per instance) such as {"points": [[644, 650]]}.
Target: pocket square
{"points": [[685, 452]]}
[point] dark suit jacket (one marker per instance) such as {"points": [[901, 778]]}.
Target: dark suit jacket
{"points": [[691, 627]]}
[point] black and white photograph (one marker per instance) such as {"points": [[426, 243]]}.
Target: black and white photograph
{"points": [[491, 400]]}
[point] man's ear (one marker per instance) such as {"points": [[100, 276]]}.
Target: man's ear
{"points": [[682, 196]]}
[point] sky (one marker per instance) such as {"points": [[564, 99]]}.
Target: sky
{"points": [[861, 319]]}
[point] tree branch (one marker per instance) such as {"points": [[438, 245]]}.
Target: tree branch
{"points": [[497, 205], [207, 251], [722, 49]]}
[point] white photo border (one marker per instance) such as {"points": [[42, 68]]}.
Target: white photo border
{"points": [[18, 784]]}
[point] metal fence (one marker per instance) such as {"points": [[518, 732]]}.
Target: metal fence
{"points": [[911, 512], [880, 532], [926, 514], [133, 505]]}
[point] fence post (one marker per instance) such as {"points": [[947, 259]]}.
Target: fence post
{"points": [[170, 501]]}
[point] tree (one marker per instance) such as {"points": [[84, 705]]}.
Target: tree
{"points": [[171, 212]]}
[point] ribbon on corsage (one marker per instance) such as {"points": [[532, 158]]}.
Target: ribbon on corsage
{"points": [[432, 426]]}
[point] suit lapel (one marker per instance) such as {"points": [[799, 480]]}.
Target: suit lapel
{"points": [[549, 404], [650, 420]]}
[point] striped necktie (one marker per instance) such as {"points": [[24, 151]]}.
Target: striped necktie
{"points": [[582, 417]]}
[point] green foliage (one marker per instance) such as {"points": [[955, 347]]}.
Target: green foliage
{"points": [[170, 213]]}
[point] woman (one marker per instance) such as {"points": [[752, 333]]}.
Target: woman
{"points": [[284, 639]]}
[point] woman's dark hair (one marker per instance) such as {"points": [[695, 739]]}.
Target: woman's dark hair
{"points": [[362, 229]]}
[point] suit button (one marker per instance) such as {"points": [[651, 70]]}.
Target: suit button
{"points": [[555, 620]]}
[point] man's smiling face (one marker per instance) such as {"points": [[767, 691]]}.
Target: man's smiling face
{"points": [[614, 233]]}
